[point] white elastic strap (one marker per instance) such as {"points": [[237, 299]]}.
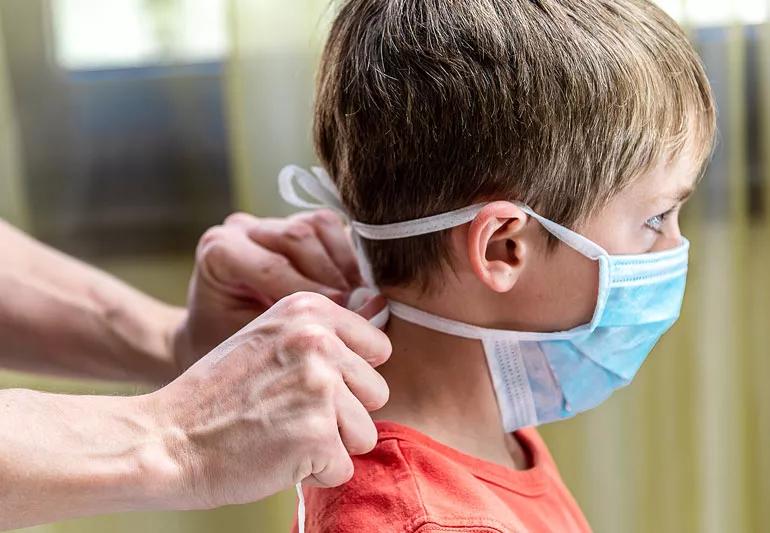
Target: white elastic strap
{"points": [[318, 186], [469, 331], [572, 239], [364, 266], [504, 358], [360, 296], [458, 217], [437, 323], [321, 188], [418, 226], [300, 509], [322, 192]]}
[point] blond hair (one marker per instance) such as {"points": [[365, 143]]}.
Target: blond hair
{"points": [[427, 106]]}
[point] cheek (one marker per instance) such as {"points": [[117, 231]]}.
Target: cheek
{"points": [[580, 286], [567, 283]]}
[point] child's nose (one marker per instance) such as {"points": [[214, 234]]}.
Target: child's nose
{"points": [[667, 241]]}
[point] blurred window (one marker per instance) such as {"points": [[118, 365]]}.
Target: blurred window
{"points": [[98, 34]]}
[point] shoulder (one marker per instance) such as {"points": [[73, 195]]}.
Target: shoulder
{"points": [[382, 495], [402, 486]]}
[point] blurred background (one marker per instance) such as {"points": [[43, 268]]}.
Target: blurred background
{"points": [[127, 127]]}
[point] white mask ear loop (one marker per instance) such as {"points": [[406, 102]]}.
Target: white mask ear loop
{"points": [[572, 239], [321, 188]]}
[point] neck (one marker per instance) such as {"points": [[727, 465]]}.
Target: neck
{"points": [[440, 385]]}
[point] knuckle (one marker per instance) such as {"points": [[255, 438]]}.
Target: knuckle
{"points": [[298, 231], [326, 217], [305, 303], [318, 430], [212, 234], [238, 218], [272, 264], [316, 377], [214, 250], [315, 338]]}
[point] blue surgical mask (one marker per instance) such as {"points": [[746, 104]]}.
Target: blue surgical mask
{"points": [[542, 377]]}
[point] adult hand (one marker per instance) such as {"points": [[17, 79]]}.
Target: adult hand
{"points": [[285, 399], [247, 264]]}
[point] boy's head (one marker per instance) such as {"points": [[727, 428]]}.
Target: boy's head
{"points": [[575, 107]]}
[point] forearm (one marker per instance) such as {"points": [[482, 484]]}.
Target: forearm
{"points": [[69, 456], [61, 316]]}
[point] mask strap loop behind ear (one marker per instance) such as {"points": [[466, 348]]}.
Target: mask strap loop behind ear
{"points": [[418, 226], [572, 239], [322, 190]]}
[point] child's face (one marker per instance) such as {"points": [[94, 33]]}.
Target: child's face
{"points": [[506, 277], [561, 285]]}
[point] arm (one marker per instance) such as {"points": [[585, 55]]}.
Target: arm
{"points": [[67, 456], [283, 400], [63, 317]]}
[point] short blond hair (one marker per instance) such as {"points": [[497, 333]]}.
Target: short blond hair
{"points": [[427, 106]]}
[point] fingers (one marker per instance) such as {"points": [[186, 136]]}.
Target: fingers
{"points": [[336, 469], [363, 381], [357, 435], [295, 238], [356, 428], [355, 331], [331, 231], [365, 384], [369, 342], [232, 259]]}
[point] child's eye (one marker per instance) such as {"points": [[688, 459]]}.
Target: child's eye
{"points": [[656, 223]]}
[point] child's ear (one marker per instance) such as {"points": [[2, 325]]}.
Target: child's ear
{"points": [[496, 247]]}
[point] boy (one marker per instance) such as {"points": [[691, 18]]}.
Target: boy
{"points": [[464, 138]]}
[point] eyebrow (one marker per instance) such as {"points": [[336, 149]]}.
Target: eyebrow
{"points": [[683, 194]]}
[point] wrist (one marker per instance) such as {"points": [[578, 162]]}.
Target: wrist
{"points": [[172, 333], [158, 349], [140, 330], [73, 456], [159, 458], [180, 344]]}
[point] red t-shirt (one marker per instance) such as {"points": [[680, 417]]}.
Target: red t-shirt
{"points": [[410, 483]]}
